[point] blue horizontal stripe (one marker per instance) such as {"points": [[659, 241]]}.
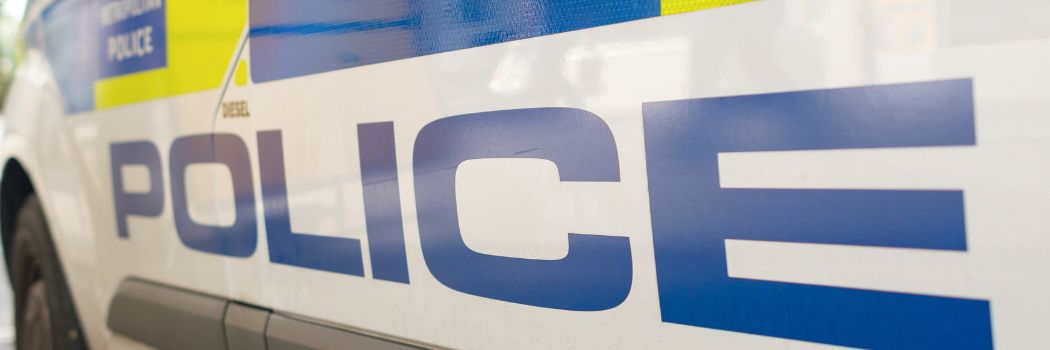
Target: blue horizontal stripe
{"points": [[326, 28], [291, 38]]}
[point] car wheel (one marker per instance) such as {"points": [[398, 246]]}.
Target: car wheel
{"points": [[44, 314]]}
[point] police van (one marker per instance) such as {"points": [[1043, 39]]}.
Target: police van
{"points": [[529, 174]]}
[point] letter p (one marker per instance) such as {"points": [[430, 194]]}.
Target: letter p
{"points": [[149, 203]]}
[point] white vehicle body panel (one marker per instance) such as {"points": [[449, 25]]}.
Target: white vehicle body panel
{"points": [[519, 207]]}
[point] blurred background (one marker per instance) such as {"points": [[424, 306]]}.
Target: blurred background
{"points": [[10, 16], [11, 12]]}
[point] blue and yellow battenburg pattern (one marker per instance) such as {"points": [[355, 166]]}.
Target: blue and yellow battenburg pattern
{"points": [[289, 38]]}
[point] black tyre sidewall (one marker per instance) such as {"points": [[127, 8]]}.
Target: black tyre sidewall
{"points": [[33, 257]]}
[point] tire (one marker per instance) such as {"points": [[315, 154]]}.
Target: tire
{"points": [[44, 314]]}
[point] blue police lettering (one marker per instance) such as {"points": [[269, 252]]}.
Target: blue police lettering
{"points": [[386, 236], [230, 151], [334, 254], [692, 215], [683, 139], [150, 203], [596, 273], [340, 255]]}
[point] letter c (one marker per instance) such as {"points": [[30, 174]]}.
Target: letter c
{"points": [[595, 274]]}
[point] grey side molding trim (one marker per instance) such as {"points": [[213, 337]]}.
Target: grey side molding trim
{"points": [[166, 317], [246, 327], [284, 333]]}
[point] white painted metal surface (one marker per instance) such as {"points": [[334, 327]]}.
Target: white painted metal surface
{"points": [[518, 207]]}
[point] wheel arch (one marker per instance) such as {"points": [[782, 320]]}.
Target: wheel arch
{"points": [[15, 187]]}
